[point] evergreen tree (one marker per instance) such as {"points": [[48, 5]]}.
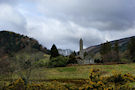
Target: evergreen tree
{"points": [[54, 51], [85, 54], [105, 48], [74, 53], [116, 51], [131, 48], [105, 51], [72, 58], [102, 49]]}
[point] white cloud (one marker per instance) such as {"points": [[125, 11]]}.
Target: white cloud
{"points": [[11, 19], [64, 35], [64, 22]]}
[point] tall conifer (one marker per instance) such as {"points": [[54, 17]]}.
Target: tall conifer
{"points": [[131, 48], [54, 51]]}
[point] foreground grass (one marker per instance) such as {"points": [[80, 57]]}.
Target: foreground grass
{"points": [[82, 72], [72, 77], [77, 72]]}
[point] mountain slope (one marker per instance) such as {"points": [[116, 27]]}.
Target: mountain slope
{"points": [[123, 44], [11, 43], [65, 52]]}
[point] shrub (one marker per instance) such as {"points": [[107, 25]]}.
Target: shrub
{"points": [[72, 58], [59, 61], [120, 79], [17, 85], [95, 75], [53, 85], [42, 63], [34, 86], [98, 61], [116, 81]]}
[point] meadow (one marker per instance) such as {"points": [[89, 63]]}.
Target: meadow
{"points": [[82, 72], [75, 72], [70, 77]]}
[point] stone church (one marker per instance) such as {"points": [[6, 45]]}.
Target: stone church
{"points": [[82, 59]]}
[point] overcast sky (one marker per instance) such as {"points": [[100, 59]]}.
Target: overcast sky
{"points": [[64, 22]]}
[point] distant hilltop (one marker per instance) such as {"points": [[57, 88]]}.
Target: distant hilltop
{"points": [[94, 53], [65, 52], [123, 44], [11, 43]]}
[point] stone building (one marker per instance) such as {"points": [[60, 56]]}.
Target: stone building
{"points": [[81, 58], [81, 52]]}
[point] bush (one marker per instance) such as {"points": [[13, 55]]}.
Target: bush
{"points": [[72, 58], [42, 63], [94, 75], [17, 85], [52, 85], [59, 61], [120, 79], [96, 81], [98, 61], [116, 81]]}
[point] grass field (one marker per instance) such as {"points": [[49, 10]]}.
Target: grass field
{"points": [[75, 76], [77, 72]]}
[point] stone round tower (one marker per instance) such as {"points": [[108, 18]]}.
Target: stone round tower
{"points": [[81, 49]]}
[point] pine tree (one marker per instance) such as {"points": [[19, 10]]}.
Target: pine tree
{"points": [[72, 58], [116, 51], [54, 51], [131, 48], [105, 51]]}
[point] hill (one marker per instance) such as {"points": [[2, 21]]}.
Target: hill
{"points": [[65, 52], [12, 43], [123, 44]]}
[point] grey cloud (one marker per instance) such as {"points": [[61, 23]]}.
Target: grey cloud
{"points": [[103, 14], [63, 34], [11, 2], [64, 22]]}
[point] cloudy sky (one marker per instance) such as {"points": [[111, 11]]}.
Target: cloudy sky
{"points": [[64, 22]]}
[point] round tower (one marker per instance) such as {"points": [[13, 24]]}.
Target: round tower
{"points": [[81, 48]]}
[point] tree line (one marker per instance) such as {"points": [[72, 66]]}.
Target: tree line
{"points": [[111, 53]]}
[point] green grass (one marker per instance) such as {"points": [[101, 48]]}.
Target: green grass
{"points": [[82, 72], [78, 72], [67, 69], [73, 75]]}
